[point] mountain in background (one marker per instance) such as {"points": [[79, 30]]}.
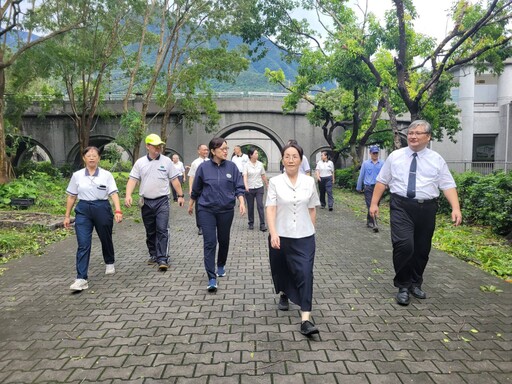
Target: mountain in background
{"points": [[253, 79]]}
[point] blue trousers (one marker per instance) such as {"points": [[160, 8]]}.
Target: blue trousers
{"points": [[155, 216], [216, 227], [325, 185], [89, 215]]}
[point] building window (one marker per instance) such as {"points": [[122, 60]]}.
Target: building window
{"points": [[483, 147]]}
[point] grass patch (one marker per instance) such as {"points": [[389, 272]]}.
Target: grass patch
{"points": [[475, 245]]}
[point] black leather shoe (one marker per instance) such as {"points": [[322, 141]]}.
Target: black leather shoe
{"points": [[308, 328], [418, 293], [251, 226], [402, 297], [199, 231], [263, 228], [283, 304]]}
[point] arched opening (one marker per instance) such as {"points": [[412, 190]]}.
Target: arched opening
{"points": [[108, 149], [249, 134], [28, 149]]}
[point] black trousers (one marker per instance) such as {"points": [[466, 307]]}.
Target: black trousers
{"points": [[174, 193], [368, 193], [412, 227], [256, 193], [155, 216]]}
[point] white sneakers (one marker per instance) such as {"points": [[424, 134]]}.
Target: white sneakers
{"points": [[79, 285], [110, 270]]}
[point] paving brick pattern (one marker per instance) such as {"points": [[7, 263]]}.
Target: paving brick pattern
{"points": [[142, 326]]}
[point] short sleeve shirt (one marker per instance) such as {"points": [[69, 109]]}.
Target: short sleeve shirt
{"points": [[254, 172], [98, 186], [194, 165], [293, 203], [432, 173], [154, 176], [325, 168]]}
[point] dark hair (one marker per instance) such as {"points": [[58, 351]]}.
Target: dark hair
{"points": [[87, 149], [292, 141], [327, 154], [215, 143], [251, 151], [293, 145]]}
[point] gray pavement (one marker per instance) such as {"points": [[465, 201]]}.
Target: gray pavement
{"points": [[142, 326]]}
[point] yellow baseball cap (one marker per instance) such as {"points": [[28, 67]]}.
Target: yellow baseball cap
{"points": [[154, 139]]}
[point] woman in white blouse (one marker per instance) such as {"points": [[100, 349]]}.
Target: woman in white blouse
{"points": [[325, 177], [291, 215], [254, 178]]}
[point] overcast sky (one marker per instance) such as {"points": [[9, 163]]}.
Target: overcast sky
{"points": [[432, 14]]}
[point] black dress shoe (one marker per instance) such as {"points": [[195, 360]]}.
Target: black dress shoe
{"points": [[199, 231], [418, 293], [283, 304], [251, 226], [263, 228], [402, 297], [307, 328]]}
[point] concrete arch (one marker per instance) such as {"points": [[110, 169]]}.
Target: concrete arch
{"points": [[24, 146], [74, 157], [270, 133]]}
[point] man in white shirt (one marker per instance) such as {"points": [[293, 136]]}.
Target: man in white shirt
{"points": [[239, 158], [181, 174], [414, 175], [202, 151]]}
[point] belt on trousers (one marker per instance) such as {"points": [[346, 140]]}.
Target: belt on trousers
{"points": [[417, 201], [156, 198]]}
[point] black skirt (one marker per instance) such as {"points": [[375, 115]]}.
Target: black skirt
{"points": [[292, 269]]}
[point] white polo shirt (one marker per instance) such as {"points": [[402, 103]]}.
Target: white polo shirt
{"points": [[154, 176], [293, 203], [98, 186], [432, 173], [254, 172], [240, 161], [194, 165], [325, 168]]}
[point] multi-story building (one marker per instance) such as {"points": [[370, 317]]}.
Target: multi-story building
{"points": [[485, 142]]}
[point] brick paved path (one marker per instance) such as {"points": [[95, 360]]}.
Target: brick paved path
{"points": [[142, 326]]}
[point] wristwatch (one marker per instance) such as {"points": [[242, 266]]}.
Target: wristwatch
{"points": [[181, 195]]}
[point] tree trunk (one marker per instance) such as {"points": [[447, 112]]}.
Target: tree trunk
{"points": [[4, 161]]}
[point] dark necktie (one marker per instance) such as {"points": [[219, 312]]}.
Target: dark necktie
{"points": [[411, 185]]}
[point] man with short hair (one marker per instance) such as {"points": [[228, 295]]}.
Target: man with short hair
{"points": [[202, 151], [367, 179], [153, 172], [239, 158], [414, 175]]}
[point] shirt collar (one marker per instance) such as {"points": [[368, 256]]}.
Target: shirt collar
{"points": [[96, 172], [156, 158]]}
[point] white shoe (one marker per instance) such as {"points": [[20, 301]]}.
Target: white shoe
{"points": [[79, 285], [110, 270]]}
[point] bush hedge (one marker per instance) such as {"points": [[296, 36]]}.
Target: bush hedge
{"points": [[485, 200]]}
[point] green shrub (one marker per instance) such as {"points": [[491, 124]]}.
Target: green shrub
{"points": [[485, 200], [347, 178], [29, 167]]}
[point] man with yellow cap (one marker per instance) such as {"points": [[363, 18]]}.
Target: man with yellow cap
{"points": [[153, 172]]}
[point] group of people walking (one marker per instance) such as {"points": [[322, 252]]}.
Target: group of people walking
{"points": [[217, 186]]}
